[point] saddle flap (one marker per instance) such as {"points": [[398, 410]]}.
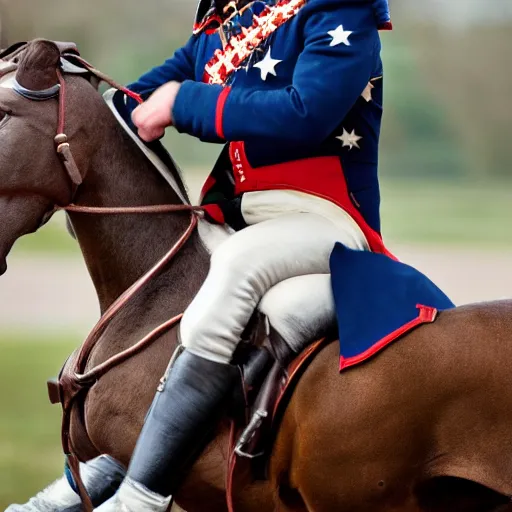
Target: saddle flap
{"points": [[249, 458]]}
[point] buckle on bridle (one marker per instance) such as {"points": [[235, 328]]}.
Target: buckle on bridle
{"points": [[64, 152]]}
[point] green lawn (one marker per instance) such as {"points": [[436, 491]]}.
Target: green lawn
{"points": [[448, 214], [413, 212], [30, 454]]}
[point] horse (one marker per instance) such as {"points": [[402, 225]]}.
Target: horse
{"points": [[425, 426]]}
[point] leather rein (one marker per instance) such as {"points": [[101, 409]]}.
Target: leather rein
{"points": [[75, 379]]}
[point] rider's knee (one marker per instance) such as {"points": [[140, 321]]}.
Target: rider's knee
{"points": [[210, 349], [240, 271], [230, 255]]}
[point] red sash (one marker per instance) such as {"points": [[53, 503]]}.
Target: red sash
{"points": [[241, 46]]}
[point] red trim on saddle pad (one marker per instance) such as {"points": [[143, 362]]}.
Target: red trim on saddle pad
{"points": [[426, 315], [237, 470]]}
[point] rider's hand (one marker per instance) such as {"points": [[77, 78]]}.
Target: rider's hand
{"points": [[155, 115]]}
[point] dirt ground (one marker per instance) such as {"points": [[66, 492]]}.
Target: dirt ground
{"points": [[45, 293]]}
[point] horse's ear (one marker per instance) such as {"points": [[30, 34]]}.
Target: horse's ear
{"points": [[38, 68]]}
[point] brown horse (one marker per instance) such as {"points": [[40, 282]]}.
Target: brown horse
{"points": [[424, 426]]}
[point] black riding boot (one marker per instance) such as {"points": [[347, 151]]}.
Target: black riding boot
{"points": [[181, 421]]}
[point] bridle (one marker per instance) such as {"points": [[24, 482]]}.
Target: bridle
{"points": [[78, 379], [65, 154], [59, 91]]}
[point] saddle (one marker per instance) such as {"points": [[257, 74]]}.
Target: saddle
{"points": [[270, 371]]}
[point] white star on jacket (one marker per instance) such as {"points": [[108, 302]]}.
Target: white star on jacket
{"points": [[267, 66], [350, 140], [339, 36]]}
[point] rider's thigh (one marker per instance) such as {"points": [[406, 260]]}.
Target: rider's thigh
{"points": [[244, 267], [301, 309], [276, 249]]}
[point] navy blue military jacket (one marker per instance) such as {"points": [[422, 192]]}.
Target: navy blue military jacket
{"points": [[294, 81]]}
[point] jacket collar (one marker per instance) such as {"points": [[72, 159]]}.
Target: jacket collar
{"points": [[208, 18]]}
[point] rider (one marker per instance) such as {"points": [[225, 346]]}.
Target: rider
{"points": [[294, 89]]}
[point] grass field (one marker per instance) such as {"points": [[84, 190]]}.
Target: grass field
{"points": [[448, 214], [30, 455], [413, 212]]}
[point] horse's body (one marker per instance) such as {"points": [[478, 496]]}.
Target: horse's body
{"points": [[424, 426]]}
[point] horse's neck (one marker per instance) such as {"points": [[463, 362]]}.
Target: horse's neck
{"points": [[119, 249]]}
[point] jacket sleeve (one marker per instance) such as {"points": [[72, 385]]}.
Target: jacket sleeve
{"points": [[179, 67], [340, 46]]}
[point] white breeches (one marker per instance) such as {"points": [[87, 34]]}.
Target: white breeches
{"points": [[285, 261]]}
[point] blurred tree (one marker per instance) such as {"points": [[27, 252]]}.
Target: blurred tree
{"points": [[418, 140], [471, 79]]}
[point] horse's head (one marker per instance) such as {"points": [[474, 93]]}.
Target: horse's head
{"points": [[33, 179]]}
